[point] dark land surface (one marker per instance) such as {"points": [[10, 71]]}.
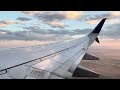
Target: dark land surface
{"points": [[108, 66]]}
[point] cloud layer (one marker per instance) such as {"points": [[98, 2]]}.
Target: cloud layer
{"points": [[56, 19], [4, 23], [36, 33], [23, 19]]}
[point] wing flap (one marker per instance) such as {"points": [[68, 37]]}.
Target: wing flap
{"points": [[48, 65], [52, 76], [89, 57], [84, 72], [39, 74]]}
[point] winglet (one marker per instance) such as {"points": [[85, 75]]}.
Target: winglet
{"points": [[99, 26]]}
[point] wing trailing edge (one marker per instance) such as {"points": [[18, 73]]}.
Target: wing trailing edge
{"points": [[84, 72], [90, 57]]}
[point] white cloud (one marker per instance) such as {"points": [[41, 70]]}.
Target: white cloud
{"points": [[3, 33], [108, 21], [113, 21], [57, 24], [67, 14], [115, 13], [5, 23], [73, 14], [30, 12], [93, 21]]}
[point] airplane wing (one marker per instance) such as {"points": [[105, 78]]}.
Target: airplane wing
{"points": [[50, 61]]}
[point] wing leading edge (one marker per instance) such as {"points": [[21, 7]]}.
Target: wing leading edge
{"points": [[58, 60]]}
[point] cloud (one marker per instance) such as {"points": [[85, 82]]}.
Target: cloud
{"points": [[113, 21], [37, 29], [51, 18], [50, 15], [24, 35], [113, 17], [57, 24], [93, 21], [98, 17], [3, 32], [4, 23], [55, 18], [115, 13], [23, 19], [30, 12], [28, 36], [109, 15], [112, 31], [95, 18], [109, 21], [73, 14], [36, 33]]}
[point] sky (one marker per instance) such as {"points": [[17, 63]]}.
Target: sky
{"points": [[23, 28]]}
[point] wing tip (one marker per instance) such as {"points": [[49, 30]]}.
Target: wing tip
{"points": [[99, 26]]}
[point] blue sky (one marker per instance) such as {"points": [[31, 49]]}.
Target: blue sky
{"points": [[45, 25], [12, 15]]}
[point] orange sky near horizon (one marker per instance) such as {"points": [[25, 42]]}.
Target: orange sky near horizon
{"points": [[107, 44]]}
